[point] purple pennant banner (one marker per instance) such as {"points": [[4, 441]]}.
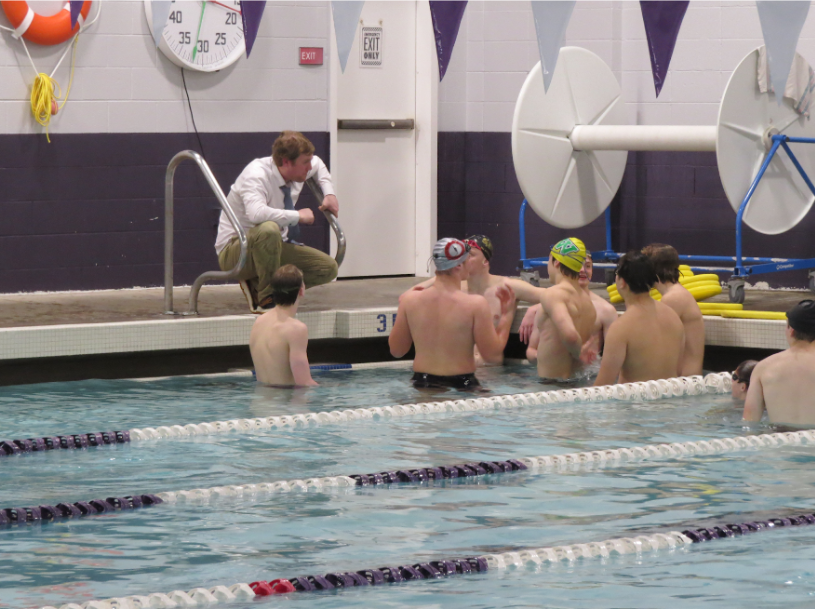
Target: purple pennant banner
{"points": [[447, 18], [251, 13], [662, 19], [76, 8]]}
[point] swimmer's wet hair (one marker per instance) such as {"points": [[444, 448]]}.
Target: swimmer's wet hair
{"points": [[665, 259], [566, 271], [290, 145], [745, 370], [637, 271], [286, 284]]}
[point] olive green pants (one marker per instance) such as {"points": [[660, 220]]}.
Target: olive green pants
{"points": [[267, 252]]}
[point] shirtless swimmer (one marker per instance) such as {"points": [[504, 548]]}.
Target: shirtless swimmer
{"points": [[446, 324]]}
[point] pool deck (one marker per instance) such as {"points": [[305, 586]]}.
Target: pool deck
{"points": [[36, 328]]}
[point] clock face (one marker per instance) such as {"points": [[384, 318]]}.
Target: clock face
{"points": [[204, 35]]}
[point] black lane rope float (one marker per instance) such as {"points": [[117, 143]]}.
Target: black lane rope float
{"points": [[521, 558], [565, 462], [74, 441]]}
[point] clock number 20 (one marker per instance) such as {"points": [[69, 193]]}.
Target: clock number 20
{"points": [[383, 322], [231, 18]]}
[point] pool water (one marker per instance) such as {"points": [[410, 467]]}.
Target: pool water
{"points": [[183, 546]]}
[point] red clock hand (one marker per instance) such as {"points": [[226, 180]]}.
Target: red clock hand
{"points": [[229, 8]]}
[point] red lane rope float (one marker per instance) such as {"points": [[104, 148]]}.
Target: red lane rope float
{"points": [[50, 30]]}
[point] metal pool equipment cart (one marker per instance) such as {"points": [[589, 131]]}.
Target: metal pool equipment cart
{"points": [[219, 194], [570, 145]]}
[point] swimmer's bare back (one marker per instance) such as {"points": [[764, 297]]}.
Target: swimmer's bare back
{"points": [[684, 304], [555, 358], [644, 344], [784, 384]]}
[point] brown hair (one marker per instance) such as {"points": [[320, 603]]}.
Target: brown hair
{"points": [[565, 270], [665, 260], [805, 337], [290, 145], [286, 284], [637, 271], [745, 370]]}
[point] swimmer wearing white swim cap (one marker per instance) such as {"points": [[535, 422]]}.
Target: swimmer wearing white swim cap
{"points": [[445, 323]]}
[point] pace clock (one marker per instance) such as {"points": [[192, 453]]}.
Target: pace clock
{"points": [[204, 35]]}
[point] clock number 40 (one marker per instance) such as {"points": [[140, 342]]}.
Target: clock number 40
{"points": [[382, 318], [176, 17]]}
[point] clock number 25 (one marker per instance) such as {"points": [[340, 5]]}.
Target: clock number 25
{"points": [[382, 318]]}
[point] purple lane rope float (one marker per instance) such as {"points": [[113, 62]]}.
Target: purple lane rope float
{"points": [[522, 558], [548, 463], [652, 390], [74, 441]]}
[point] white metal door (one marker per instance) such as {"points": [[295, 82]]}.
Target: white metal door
{"points": [[375, 170]]}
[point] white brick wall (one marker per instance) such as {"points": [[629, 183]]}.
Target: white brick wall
{"points": [[496, 48], [122, 84]]}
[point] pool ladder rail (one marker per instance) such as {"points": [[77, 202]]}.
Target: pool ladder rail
{"points": [[169, 215]]}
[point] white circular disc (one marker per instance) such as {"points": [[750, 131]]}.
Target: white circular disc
{"points": [[565, 187], [782, 198]]}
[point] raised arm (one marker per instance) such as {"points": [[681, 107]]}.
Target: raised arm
{"points": [[554, 304], [614, 354], [401, 340], [524, 291], [298, 358], [754, 404]]}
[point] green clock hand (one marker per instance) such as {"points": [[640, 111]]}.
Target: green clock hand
{"points": [[198, 33]]}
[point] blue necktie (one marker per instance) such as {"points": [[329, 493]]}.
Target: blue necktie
{"points": [[294, 231]]}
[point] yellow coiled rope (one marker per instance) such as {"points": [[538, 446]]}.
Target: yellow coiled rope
{"points": [[46, 92]]}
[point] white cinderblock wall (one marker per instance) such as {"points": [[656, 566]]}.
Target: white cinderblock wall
{"points": [[122, 84], [497, 48]]}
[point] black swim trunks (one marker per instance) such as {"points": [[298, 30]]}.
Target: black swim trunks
{"points": [[423, 380], [572, 382]]}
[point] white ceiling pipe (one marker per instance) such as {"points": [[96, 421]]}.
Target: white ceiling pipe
{"points": [[699, 138]]}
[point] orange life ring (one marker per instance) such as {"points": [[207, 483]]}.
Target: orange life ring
{"points": [[42, 30]]}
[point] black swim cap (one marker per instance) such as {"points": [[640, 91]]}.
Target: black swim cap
{"points": [[802, 317]]}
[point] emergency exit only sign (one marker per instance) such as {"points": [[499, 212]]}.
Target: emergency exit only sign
{"points": [[370, 47]]}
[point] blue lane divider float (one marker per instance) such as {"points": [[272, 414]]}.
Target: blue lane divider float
{"points": [[82, 440]]}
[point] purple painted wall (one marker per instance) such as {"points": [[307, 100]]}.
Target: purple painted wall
{"points": [[87, 211], [668, 197]]}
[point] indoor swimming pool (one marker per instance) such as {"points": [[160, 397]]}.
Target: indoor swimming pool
{"points": [[230, 539]]}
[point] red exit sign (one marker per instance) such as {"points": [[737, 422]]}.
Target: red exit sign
{"points": [[311, 56]]}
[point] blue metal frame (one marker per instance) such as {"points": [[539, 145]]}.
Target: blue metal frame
{"points": [[760, 266]]}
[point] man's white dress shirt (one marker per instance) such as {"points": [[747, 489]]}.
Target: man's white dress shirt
{"points": [[255, 197]]}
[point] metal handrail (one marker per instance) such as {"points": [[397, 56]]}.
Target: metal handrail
{"points": [[219, 194], [332, 220], [168, 232]]}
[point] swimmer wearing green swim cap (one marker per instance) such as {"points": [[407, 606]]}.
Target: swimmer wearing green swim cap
{"points": [[784, 383], [567, 317]]}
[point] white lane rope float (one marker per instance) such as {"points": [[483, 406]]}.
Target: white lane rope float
{"points": [[642, 391], [255, 492], [643, 546], [714, 383]]}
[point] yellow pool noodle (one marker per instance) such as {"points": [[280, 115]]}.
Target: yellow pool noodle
{"points": [[705, 291], [755, 314]]}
